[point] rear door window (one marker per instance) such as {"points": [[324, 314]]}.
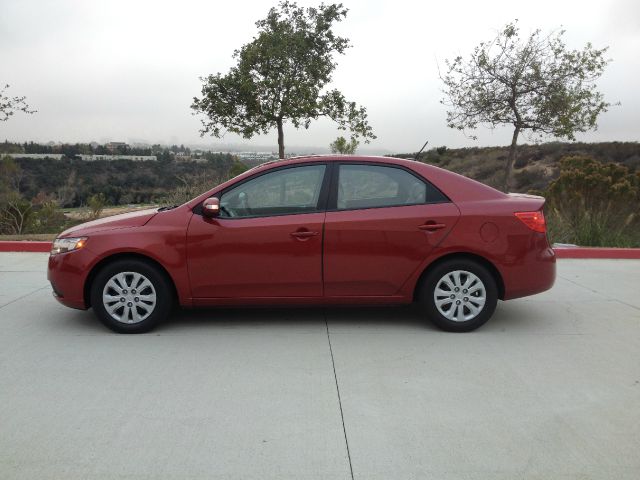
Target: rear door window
{"points": [[374, 186]]}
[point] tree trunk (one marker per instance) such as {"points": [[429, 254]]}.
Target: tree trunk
{"points": [[510, 160], [280, 138]]}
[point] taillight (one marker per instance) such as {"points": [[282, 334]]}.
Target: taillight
{"points": [[533, 220]]}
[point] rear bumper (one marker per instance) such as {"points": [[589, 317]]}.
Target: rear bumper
{"points": [[536, 273]]}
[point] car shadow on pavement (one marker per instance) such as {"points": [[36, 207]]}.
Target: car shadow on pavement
{"points": [[511, 316], [312, 318]]}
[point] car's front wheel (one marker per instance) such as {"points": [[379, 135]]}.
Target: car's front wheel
{"points": [[459, 295], [131, 296]]}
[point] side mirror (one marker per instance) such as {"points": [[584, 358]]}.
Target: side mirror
{"points": [[211, 207]]}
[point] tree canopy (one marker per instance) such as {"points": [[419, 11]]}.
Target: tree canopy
{"points": [[10, 105], [280, 77], [343, 146], [534, 84]]}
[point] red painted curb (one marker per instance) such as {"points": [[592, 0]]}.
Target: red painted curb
{"points": [[598, 252], [24, 246]]}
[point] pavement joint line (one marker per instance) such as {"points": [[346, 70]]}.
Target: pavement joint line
{"points": [[627, 304], [20, 271], [585, 287], [607, 298], [23, 296], [335, 376]]}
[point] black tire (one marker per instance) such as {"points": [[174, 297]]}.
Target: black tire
{"points": [[159, 285], [434, 277]]}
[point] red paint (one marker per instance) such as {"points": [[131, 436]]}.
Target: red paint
{"points": [[259, 257], [597, 252], [374, 251], [358, 256], [24, 246]]}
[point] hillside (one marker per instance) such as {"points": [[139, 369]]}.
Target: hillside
{"points": [[535, 166]]}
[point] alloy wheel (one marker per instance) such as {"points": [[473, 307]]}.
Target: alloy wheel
{"points": [[460, 296], [129, 297]]}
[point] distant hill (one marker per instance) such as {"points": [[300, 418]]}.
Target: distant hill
{"points": [[535, 166]]}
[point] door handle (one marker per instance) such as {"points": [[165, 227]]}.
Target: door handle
{"points": [[304, 234], [432, 226]]}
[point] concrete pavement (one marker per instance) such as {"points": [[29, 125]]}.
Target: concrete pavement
{"points": [[549, 388]]}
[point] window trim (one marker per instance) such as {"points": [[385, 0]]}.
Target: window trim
{"points": [[321, 204], [332, 204]]}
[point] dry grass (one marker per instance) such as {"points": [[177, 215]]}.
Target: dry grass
{"points": [[83, 213], [41, 237]]}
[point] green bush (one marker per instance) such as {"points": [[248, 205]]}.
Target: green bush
{"points": [[48, 218], [191, 186], [530, 179], [594, 204], [97, 203]]}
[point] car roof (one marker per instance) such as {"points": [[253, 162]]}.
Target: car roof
{"points": [[334, 158]]}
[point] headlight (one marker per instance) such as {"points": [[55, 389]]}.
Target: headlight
{"points": [[62, 245]]}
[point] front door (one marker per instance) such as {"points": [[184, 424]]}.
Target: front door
{"points": [[267, 241]]}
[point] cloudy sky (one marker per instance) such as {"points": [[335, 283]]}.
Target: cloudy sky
{"points": [[128, 69]]}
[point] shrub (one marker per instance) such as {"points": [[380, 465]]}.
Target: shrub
{"points": [[594, 204], [530, 179], [16, 214], [97, 203], [237, 168], [48, 218], [191, 186]]}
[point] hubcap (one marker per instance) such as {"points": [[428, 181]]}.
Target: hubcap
{"points": [[460, 296], [129, 297]]}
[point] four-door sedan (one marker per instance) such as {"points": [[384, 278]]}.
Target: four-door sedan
{"points": [[313, 231]]}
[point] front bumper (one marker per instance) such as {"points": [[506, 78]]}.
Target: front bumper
{"points": [[67, 273]]}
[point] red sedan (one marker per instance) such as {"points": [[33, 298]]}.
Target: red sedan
{"points": [[313, 231]]}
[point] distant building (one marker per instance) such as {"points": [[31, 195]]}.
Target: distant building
{"points": [[114, 146]]}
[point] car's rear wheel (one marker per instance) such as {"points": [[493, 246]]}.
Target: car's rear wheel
{"points": [[459, 295], [131, 296]]}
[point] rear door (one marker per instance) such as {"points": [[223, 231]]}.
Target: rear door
{"points": [[383, 220]]}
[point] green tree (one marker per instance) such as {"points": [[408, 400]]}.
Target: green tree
{"points": [[10, 105], [534, 84], [237, 167], [11, 175], [344, 147], [280, 77]]}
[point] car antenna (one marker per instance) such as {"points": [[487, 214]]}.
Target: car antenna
{"points": [[418, 154]]}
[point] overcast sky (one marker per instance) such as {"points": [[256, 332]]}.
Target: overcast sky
{"points": [[126, 70]]}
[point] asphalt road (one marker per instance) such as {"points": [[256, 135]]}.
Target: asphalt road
{"points": [[548, 389]]}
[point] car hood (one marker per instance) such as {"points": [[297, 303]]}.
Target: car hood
{"points": [[123, 220]]}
